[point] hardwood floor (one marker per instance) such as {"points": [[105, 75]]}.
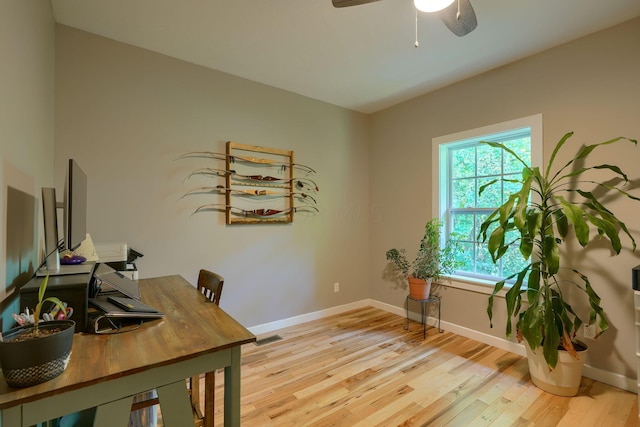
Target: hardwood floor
{"points": [[363, 369]]}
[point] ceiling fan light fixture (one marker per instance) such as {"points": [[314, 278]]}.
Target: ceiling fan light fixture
{"points": [[431, 5]]}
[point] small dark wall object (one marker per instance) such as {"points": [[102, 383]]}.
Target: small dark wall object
{"points": [[635, 278]]}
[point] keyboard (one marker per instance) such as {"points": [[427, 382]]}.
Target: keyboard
{"points": [[130, 304]]}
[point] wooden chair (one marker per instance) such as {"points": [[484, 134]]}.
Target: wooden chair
{"points": [[210, 285]]}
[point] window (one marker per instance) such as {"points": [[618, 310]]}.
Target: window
{"points": [[461, 166]]}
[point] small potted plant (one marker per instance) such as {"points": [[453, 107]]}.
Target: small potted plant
{"points": [[431, 261], [34, 353], [541, 213]]}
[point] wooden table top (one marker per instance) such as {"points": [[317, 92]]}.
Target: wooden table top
{"points": [[192, 326]]}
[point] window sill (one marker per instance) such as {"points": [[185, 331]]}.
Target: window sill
{"points": [[472, 285]]}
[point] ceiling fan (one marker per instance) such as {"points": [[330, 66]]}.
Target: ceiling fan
{"points": [[457, 15]]}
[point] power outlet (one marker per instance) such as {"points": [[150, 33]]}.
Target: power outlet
{"points": [[590, 331], [336, 287]]}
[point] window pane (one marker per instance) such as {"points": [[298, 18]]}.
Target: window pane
{"points": [[512, 262], [464, 193], [489, 160], [463, 225], [484, 263], [522, 147], [463, 162], [466, 258], [480, 218], [491, 196]]}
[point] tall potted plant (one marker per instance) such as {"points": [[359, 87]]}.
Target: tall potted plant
{"points": [[431, 261], [541, 213]]}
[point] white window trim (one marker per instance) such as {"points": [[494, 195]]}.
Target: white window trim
{"points": [[438, 201]]}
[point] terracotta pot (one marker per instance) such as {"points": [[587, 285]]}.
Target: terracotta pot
{"points": [[419, 288], [564, 380]]}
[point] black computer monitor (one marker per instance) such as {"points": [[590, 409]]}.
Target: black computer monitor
{"points": [[50, 216], [74, 207]]}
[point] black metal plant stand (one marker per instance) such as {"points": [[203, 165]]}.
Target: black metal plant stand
{"points": [[423, 312]]}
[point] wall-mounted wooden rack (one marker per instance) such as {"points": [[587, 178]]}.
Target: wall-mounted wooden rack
{"points": [[263, 164], [259, 184]]}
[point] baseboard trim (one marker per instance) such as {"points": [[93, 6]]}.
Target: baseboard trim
{"points": [[308, 317], [606, 377], [611, 378]]}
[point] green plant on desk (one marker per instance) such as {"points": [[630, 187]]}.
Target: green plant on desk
{"points": [[41, 300], [36, 332]]}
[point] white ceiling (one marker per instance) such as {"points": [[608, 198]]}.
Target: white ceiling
{"points": [[362, 57]]}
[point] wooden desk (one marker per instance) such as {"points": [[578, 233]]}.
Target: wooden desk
{"points": [[106, 371]]}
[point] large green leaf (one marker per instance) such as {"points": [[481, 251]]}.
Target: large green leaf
{"points": [[597, 312], [532, 322], [575, 216], [496, 240], [609, 229], [484, 227], [483, 187], [564, 312], [614, 169], [555, 153], [528, 233], [586, 150], [593, 200], [551, 335], [496, 288], [533, 285], [551, 254], [526, 246], [570, 320], [519, 216], [506, 210], [606, 214], [513, 294], [562, 224]]}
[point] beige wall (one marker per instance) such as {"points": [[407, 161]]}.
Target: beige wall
{"points": [[125, 114], [589, 86], [26, 104]]}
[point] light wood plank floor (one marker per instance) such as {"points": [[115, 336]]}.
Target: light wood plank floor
{"points": [[363, 369]]}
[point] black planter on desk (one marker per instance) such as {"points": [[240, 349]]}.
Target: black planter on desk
{"points": [[34, 361]]}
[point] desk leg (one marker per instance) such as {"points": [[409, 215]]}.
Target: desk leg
{"points": [[175, 405], [114, 413], [232, 390], [209, 398], [11, 416]]}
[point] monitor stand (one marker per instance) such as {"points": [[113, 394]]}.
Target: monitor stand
{"points": [[85, 268], [53, 267]]}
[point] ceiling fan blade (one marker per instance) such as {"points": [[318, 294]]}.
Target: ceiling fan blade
{"points": [[345, 3], [464, 23]]}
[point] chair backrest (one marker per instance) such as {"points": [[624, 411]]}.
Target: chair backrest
{"points": [[210, 285]]}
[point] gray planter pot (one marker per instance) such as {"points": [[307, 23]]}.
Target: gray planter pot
{"points": [[31, 362]]}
